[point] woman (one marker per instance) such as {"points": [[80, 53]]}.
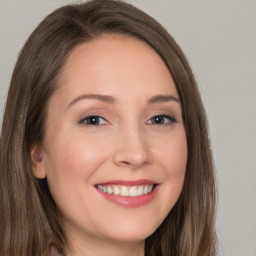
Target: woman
{"points": [[108, 151]]}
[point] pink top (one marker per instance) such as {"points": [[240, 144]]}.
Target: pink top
{"points": [[54, 252]]}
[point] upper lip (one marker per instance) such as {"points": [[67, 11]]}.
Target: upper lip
{"points": [[128, 182]]}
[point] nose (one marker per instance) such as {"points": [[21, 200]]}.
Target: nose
{"points": [[132, 149]]}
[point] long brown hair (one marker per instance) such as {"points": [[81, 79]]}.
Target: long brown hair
{"points": [[29, 217]]}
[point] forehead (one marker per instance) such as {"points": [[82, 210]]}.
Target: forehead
{"points": [[115, 61]]}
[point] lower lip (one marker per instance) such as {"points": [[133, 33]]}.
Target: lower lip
{"points": [[130, 201]]}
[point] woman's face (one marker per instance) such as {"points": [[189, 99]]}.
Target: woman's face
{"points": [[114, 131]]}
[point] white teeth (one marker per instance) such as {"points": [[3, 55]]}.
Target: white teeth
{"points": [[133, 191], [150, 188], [145, 191], [116, 190], [109, 190], [126, 190], [140, 190]]}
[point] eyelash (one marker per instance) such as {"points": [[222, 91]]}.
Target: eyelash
{"points": [[163, 119], [92, 120], [95, 120]]}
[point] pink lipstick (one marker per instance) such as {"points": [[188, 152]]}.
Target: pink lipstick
{"points": [[129, 194]]}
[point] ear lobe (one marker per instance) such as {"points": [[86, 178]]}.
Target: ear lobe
{"points": [[37, 162]]}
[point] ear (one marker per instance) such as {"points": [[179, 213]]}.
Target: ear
{"points": [[37, 162]]}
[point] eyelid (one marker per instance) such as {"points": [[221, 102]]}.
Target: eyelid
{"points": [[82, 121], [170, 118]]}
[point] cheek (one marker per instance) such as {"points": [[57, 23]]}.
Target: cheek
{"points": [[176, 157], [71, 164], [174, 162], [172, 153], [72, 161]]}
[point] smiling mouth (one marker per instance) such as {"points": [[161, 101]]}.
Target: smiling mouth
{"points": [[130, 191]]}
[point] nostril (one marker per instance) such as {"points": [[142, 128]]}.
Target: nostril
{"points": [[125, 162], [129, 156]]}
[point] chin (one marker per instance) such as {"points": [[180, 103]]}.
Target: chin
{"points": [[131, 231]]}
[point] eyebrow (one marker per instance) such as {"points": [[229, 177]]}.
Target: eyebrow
{"points": [[112, 100], [163, 98], [104, 98]]}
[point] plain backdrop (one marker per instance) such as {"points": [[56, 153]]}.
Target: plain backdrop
{"points": [[219, 39]]}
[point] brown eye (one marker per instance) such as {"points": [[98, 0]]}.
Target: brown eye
{"points": [[93, 120], [162, 119]]}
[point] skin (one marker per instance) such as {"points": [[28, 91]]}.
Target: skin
{"points": [[125, 144]]}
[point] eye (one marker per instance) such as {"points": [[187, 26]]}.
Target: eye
{"points": [[93, 120], [162, 120]]}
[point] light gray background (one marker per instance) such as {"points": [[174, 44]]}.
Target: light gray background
{"points": [[219, 39]]}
